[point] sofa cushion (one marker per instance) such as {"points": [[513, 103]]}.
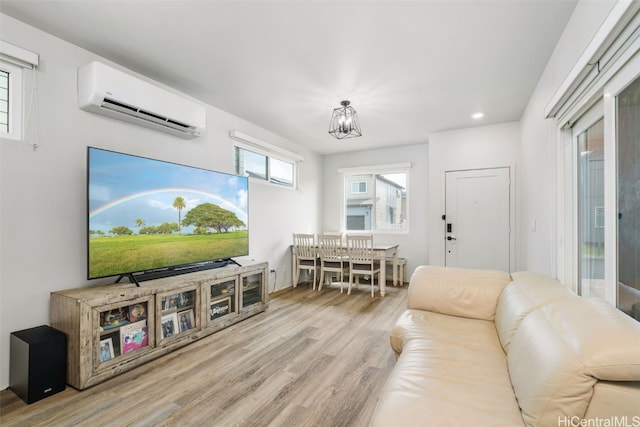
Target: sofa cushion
{"points": [[560, 350], [456, 291], [619, 398], [527, 292], [451, 372]]}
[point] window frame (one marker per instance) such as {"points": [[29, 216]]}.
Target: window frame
{"points": [[400, 168], [15, 101]]}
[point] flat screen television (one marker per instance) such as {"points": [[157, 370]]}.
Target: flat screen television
{"points": [[149, 218]]}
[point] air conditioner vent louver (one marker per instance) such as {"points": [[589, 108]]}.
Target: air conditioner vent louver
{"points": [[109, 92], [110, 104]]}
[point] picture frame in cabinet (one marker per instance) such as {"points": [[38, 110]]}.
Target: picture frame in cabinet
{"points": [[106, 350], [186, 320], [219, 308], [186, 299], [137, 312], [170, 302], [134, 336], [169, 325], [114, 339]]}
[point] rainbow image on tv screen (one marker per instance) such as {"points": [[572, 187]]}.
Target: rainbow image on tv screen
{"points": [[146, 214]]}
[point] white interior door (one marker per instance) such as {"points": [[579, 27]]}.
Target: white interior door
{"points": [[477, 219]]}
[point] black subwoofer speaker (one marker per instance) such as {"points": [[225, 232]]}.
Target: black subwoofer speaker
{"points": [[38, 363]]}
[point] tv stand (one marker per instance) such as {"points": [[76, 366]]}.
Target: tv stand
{"points": [[114, 328], [131, 277], [233, 261]]}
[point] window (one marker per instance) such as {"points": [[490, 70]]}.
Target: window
{"points": [[10, 101], [281, 172], [375, 200], [263, 161], [4, 101], [251, 164], [359, 187], [260, 166]]}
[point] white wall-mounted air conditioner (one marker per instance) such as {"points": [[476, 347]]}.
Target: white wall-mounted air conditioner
{"points": [[110, 92]]}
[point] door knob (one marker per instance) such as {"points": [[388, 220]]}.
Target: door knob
{"points": [[451, 238]]}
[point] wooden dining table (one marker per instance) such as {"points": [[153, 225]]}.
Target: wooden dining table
{"points": [[383, 253]]}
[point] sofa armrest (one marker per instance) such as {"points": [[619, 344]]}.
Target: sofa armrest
{"points": [[457, 291]]}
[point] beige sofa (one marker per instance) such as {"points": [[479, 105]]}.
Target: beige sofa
{"points": [[483, 348]]}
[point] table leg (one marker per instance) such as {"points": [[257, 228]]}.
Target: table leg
{"points": [[395, 268], [382, 277], [294, 268]]}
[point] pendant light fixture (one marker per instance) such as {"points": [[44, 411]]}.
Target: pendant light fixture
{"points": [[344, 122]]}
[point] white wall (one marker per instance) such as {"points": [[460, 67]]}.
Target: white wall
{"points": [[414, 245], [43, 213], [538, 179], [473, 148]]}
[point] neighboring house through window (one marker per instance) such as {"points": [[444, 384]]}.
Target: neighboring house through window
{"points": [[376, 199]]}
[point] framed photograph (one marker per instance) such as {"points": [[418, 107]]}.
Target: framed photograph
{"points": [[219, 308], [137, 312], [186, 320], [106, 350], [115, 341], [169, 325], [170, 302], [186, 299], [134, 336]]}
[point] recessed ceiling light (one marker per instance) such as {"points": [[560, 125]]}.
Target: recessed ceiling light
{"points": [[477, 115]]}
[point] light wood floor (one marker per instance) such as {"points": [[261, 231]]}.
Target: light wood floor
{"points": [[312, 359]]}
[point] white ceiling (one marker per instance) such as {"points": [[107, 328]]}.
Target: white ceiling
{"points": [[408, 67]]}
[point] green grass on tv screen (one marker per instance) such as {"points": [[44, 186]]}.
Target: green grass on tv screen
{"points": [[112, 255]]}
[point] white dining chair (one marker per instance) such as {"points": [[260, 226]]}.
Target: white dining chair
{"points": [[333, 259], [306, 251], [362, 259]]}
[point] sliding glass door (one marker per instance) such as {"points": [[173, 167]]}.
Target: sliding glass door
{"points": [[606, 188], [590, 167], [627, 129]]}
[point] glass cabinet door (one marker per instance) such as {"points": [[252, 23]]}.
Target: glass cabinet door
{"points": [[179, 313], [123, 329], [252, 289], [222, 299]]}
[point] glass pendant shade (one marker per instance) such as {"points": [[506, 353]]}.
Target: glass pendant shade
{"points": [[344, 122]]}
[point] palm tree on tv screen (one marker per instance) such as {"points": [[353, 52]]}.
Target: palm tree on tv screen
{"points": [[139, 223], [179, 204]]}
